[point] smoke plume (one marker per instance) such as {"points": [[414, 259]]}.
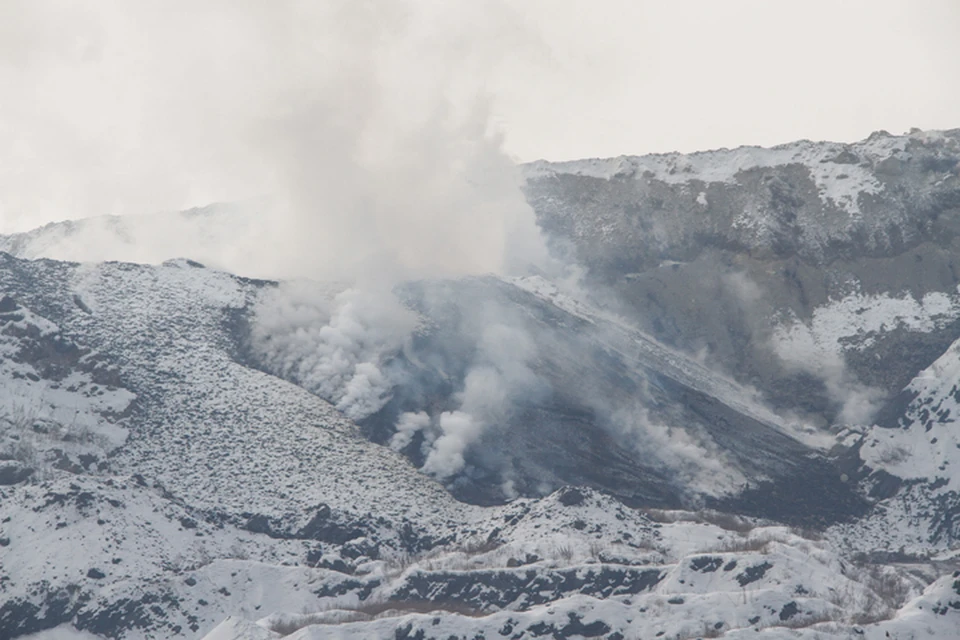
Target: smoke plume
{"points": [[498, 376], [368, 125], [336, 345], [363, 139]]}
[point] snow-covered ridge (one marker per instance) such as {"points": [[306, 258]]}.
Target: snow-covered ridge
{"points": [[830, 187], [722, 165], [218, 235], [839, 174], [819, 200], [713, 583]]}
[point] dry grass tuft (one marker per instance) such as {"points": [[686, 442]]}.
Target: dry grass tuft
{"points": [[371, 610], [722, 519]]}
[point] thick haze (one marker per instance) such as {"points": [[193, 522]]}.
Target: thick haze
{"points": [[120, 107], [368, 124]]}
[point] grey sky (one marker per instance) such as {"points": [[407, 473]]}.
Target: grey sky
{"points": [[119, 106]]}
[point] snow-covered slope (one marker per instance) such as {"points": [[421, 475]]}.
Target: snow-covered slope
{"points": [[771, 333], [166, 333], [924, 444], [745, 256], [912, 462], [127, 374], [219, 235], [200, 488]]}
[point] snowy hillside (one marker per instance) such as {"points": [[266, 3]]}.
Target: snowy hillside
{"points": [[731, 415], [788, 245], [217, 490], [219, 235]]}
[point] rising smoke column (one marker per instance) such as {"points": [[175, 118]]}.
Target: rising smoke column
{"points": [[367, 123], [390, 170]]}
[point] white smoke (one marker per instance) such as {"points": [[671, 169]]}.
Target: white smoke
{"points": [[746, 291], [386, 168], [408, 424], [499, 374], [801, 349], [459, 430], [368, 124], [694, 460], [335, 345], [858, 402]]}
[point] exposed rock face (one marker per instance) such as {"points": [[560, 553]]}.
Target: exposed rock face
{"points": [[588, 411], [14, 472], [723, 252], [819, 202]]}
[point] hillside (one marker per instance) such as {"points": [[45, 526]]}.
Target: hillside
{"points": [[736, 420]]}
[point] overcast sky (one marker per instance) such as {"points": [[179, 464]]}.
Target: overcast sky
{"points": [[120, 106]]}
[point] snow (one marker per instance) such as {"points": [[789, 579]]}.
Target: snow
{"points": [[862, 316], [60, 530], [839, 183], [234, 628], [63, 632], [928, 445], [218, 441]]}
